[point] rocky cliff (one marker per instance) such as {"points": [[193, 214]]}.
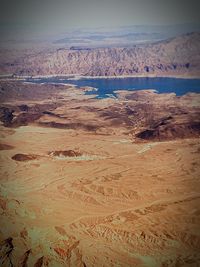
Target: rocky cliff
{"points": [[176, 56]]}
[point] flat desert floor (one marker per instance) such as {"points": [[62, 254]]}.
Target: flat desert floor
{"points": [[98, 182]]}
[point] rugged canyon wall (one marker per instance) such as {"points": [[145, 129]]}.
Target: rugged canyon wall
{"points": [[176, 56]]}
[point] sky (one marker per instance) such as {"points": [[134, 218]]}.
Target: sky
{"points": [[60, 15]]}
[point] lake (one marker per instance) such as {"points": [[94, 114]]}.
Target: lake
{"points": [[107, 86]]}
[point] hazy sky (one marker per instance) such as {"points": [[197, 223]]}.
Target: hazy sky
{"points": [[63, 14]]}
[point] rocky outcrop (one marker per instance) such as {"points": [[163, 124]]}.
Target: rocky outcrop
{"points": [[6, 248], [171, 131], [65, 153], [6, 115], [24, 157], [177, 56]]}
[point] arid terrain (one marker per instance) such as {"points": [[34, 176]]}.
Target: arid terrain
{"points": [[98, 182], [177, 56]]}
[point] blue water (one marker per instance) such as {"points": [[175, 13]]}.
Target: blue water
{"points": [[108, 86]]}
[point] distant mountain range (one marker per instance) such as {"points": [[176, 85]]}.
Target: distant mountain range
{"points": [[122, 36], [178, 56]]}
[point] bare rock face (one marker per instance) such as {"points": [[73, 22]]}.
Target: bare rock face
{"points": [[41, 262], [6, 115], [170, 131], [6, 248], [24, 259], [176, 56]]}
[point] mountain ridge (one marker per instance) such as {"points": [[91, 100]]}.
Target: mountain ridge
{"points": [[174, 56]]}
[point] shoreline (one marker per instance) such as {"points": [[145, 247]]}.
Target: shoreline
{"points": [[79, 77]]}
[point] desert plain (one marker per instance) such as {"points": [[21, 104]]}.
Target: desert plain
{"points": [[98, 182]]}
